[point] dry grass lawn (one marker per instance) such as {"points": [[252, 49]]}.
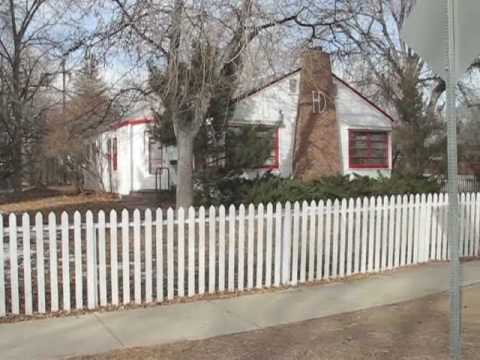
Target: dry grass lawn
{"points": [[416, 330]]}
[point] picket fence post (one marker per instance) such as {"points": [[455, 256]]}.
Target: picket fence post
{"points": [[148, 257], [114, 257], [27, 266], [312, 214], [286, 247], [65, 259], [191, 252], [221, 249], [14, 296], [77, 238], [241, 248], [320, 238], [201, 251], [278, 244], [3, 310], [159, 256]]}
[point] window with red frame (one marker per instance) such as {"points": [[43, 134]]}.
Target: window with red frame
{"points": [[368, 149], [238, 151]]}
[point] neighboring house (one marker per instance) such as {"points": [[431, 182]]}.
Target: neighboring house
{"points": [[322, 127]]}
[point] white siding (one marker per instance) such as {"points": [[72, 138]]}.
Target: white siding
{"points": [[274, 106]]}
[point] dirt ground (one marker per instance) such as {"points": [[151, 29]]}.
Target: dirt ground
{"points": [[59, 199], [416, 330]]}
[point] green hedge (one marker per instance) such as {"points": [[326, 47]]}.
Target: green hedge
{"points": [[275, 189]]}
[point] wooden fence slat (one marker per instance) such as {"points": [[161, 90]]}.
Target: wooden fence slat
{"points": [[137, 260], [181, 252], [385, 232], [159, 255], [114, 257], [393, 225], [371, 234], [463, 217], [170, 254], [295, 242], [221, 248], [434, 228], [335, 239], [473, 215], [350, 230], [212, 259], [232, 224], [65, 261], [378, 235], [477, 227], [286, 244], [445, 247], [278, 244], [241, 248], [14, 288], [417, 229], [365, 235], [411, 229], [191, 252], [148, 257], [201, 250], [440, 205], [125, 257], [401, 234], [328, 240], [269, 244], [343, 227], [260, 239], [304, 239], [27, 265], [91, 262], [468, 224], [77, 237], [357, 236], [320, 238], [102, 258], [53, 266], [428, 229], [312, 215], [250, 248], [3, 309]]}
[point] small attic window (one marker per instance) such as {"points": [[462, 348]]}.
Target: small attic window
{"points": [[293, 86]]}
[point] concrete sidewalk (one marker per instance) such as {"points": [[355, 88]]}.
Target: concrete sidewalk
{"points": [[102, 332]]}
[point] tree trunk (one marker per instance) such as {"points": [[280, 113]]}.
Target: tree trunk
{"points": [[17, 165], [185, 169]]}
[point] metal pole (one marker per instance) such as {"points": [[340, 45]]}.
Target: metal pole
{"points": [[453, 223]]}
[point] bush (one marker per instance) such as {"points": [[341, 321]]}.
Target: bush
{"points": [[275, 189]]}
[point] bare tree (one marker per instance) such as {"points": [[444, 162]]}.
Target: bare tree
{"points": [[196, 51], [35, 38], [396, 77]]}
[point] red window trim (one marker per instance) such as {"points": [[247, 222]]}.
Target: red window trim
{"points": [[351, 134], [133, 122], [276, 148]]}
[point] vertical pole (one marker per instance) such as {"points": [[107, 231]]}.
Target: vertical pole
{"points": [[64, 85], [453, 229]]}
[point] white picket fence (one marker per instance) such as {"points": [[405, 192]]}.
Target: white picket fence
{"points": [[94, 261]]}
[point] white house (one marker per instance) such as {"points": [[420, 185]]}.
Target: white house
{"points": [[322, 127]]}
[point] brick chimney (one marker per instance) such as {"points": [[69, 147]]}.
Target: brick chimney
{"points": [[317, 146]]}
